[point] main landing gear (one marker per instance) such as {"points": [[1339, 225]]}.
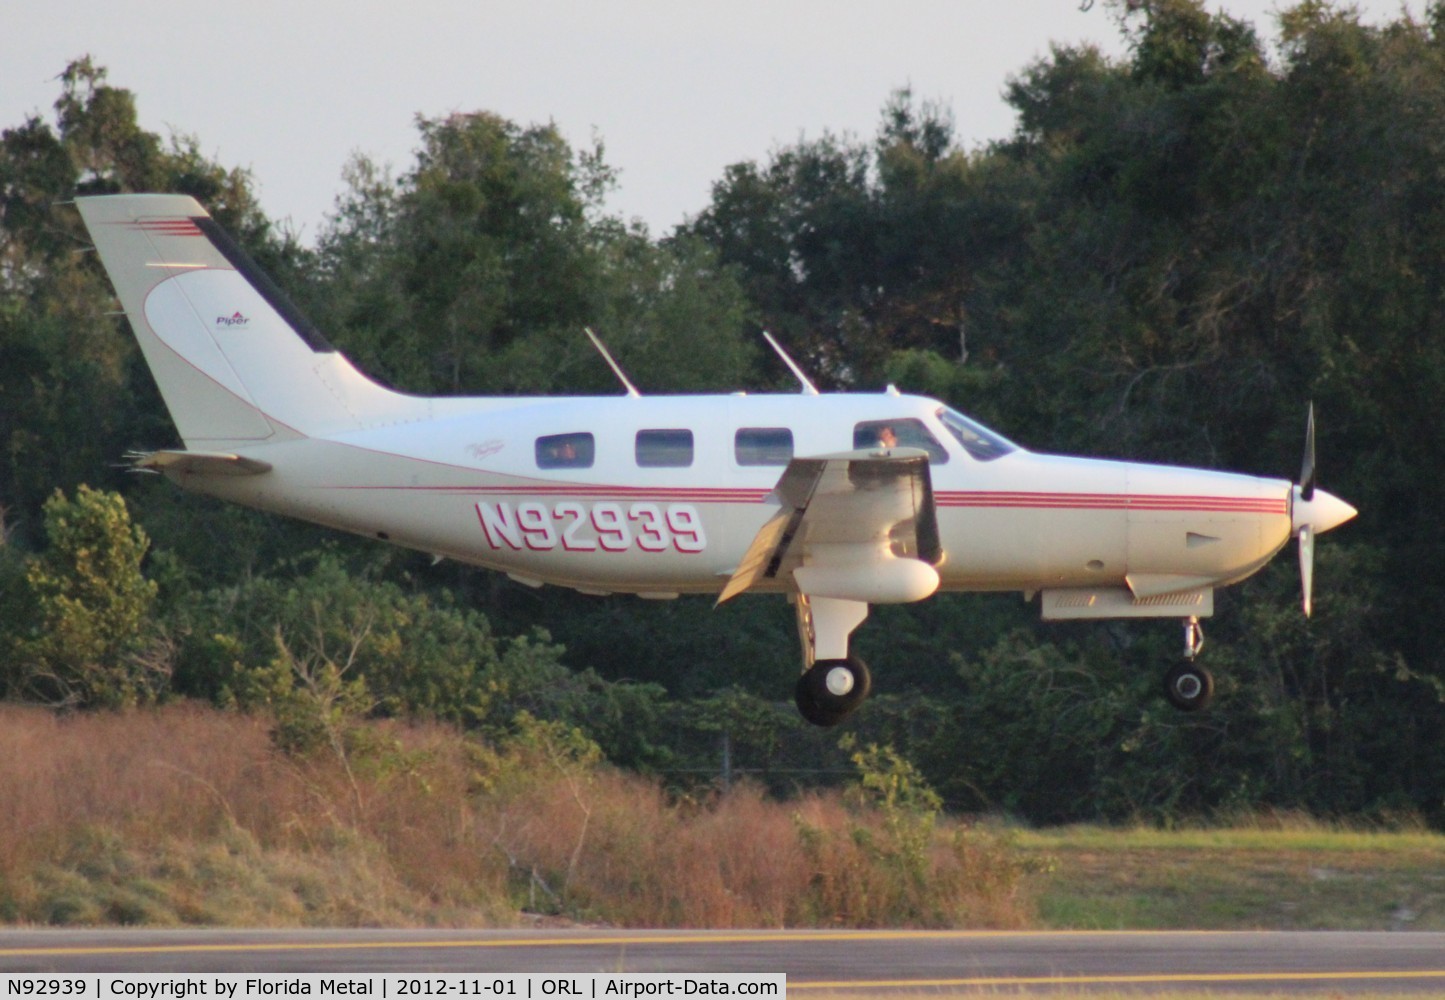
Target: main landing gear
{"points": [[834, 682], [829, 690], [1190, 687]]}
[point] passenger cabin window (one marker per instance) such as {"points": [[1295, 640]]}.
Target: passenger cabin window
{"points": [[565, 451], [664, 449], [763, 446], [980, 442], [905, 432]]}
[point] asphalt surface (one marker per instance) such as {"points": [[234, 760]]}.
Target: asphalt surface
{"points": [[815, 961]]}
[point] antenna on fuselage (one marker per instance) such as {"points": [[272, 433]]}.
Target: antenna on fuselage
{"points": [[616, 369], [808, 387]]}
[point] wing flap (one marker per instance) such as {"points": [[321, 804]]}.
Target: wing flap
{"points": [[760, 555], [879, 502]]}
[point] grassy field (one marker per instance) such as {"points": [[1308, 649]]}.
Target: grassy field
{"points": [[187, 815], [1268, 873]]}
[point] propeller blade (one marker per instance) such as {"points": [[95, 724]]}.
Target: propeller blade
{"points": [[1307, 566], [1307, 469]]}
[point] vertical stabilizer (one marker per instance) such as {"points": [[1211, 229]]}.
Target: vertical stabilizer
{"points": [[235, 361]]}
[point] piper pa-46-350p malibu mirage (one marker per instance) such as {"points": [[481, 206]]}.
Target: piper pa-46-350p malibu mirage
{"points": [[838, 501]]}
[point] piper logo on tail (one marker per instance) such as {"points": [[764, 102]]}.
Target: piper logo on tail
{"points": [[235, 319]]}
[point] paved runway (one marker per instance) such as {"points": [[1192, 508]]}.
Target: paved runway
{"points": [[815, 961]]}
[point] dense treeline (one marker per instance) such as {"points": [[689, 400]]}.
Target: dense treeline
{"points": [[1171, 255]]}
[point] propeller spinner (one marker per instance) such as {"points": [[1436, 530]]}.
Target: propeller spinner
{"points": [[1314, 513]]}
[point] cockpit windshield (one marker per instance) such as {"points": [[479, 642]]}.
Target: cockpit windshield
{"points": [[980, 442]]}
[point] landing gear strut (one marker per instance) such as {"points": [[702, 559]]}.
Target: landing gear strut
{"points": [[1190, 687], [834, 682], [1193, 638]]}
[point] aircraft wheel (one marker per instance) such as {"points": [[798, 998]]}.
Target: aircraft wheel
{"points": [[1189, 687], [831, 689]]}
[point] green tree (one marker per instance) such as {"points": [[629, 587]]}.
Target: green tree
{"points": [[413, 654], [477, 271], [851, 251], [326, 639], [87, 637]]}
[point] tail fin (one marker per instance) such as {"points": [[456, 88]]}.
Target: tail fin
{"points": [[235, 361]]}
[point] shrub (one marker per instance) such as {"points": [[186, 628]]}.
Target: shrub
{"points": [[88, 638]]}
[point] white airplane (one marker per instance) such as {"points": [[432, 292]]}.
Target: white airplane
{"points": [[839, 501]]}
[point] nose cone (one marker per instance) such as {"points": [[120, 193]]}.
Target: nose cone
{"points": [[1321, 512]]}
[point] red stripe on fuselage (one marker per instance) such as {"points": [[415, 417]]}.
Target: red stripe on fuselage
{"points": [[706, 494], [973, 499], [1115, 501]]}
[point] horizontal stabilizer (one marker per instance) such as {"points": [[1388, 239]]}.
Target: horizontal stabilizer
{"points": [[200, 463]]}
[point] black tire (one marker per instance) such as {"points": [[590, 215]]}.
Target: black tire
{"points": [[809, 708], [1189, 687], [831, 689]]}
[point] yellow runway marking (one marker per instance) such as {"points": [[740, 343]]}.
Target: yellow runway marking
{"points": [[777, 937], [596, 941]]}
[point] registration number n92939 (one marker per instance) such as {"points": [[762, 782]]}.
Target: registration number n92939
{"points": [[606, 526]]}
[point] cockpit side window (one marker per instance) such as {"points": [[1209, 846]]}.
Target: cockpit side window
{"points": [[904, 432], [566, 451], [980, 442], [664, 449]]}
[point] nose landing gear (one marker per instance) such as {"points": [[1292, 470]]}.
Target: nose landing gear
{"points": [[1193, 638], [1188, 686]]}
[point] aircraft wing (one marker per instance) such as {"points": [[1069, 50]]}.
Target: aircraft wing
{"points": [[878, 502]]}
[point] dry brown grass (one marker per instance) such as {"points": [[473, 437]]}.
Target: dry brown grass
{"points": [[186, 814], [645, 861], [179, 771], [619, 850], [154, 816]]}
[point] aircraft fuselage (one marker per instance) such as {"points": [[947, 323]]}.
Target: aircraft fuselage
{"points": [[469, 487]]}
